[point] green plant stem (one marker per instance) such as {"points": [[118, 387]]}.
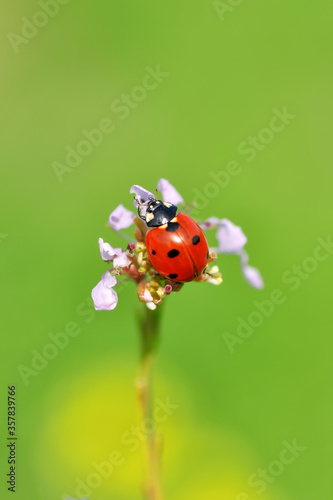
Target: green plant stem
{"points": [[149, 330]]}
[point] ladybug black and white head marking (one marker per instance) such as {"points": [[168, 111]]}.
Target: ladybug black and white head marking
{"points": [[156, 212]]}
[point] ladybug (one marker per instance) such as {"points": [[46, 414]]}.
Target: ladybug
{"points": [[176, 245]]}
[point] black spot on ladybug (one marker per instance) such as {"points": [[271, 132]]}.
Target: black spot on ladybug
{"points": [[173, 276], [195, 239], [173, 253], [153, 252], [172, 227]]}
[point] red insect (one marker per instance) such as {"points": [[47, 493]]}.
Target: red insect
{"points": [[176, 245]]}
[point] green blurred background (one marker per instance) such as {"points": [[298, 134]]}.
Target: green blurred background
{"points": [[228, 67]]}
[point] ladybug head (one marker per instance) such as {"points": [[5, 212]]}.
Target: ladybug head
{"points": [[156, 212]]}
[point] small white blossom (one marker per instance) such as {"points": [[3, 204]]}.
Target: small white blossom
{"points": [[107, 252], [103, 295], [122, 260], [121, 218], [169, 193]]}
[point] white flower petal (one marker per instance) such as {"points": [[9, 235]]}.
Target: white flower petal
{"points": [[230, 237], [121, 218], [151, 305], [251, 274], [147, 296], [141, 195], [168, 192], [253, 277], [122, 260], [214, 280], [107, 251], [104, 297], [108, 280]]}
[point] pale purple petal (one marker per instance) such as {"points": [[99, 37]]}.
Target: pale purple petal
{"points": [[121, 218], [122, 260], [210, 223], [251, 274], [141, 195], [108, 280], [103, 295], [168, 192], [230, 237], [107, 251]]}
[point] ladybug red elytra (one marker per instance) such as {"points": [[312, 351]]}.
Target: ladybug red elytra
{"points": [[176, 245]]}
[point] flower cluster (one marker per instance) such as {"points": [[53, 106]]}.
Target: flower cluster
{"points": [[134, 263]]}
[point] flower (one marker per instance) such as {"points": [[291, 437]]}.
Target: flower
{"points": [[134, 263], [122, 260], [121, 218], [141, 195], [231, 239], [107, 252], [169, 193], [148, 299], [103, 295], [251, 274]]}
